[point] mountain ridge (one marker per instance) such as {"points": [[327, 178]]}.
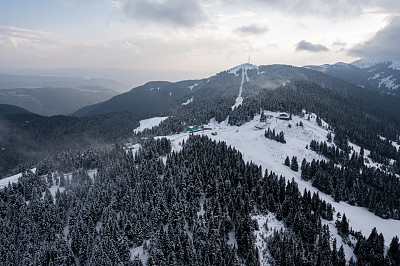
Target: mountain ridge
{"points": [[381, 75], [174, 94]]}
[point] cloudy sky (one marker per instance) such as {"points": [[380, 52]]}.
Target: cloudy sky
{"points": [[195, 36]]}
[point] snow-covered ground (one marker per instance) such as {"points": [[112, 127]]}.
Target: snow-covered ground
{"points": [[188, 101], [12, 179], [235, 70], [389, 82], [267, 224], [348, 251], [394, 143], [271, 155], [149, 123], [140, 252], [239, 99], [191, 87]]}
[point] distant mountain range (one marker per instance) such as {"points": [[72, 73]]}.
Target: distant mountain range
{"points": [[8, 81], [382, 75], [49, 95], [55, 101]]}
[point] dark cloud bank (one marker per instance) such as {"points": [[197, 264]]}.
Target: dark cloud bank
{"points": [[187, 13], [251, 29], [307, 46], [384, 44]]}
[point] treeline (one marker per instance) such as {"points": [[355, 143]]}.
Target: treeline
{"points": [[353, 181], [333, 153], [366, 186], [371, 250]]}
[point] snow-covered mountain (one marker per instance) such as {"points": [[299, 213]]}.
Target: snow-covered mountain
{"points": [[364, 63], [382, 75], [158, 98]]}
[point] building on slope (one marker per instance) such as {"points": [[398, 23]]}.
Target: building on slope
{"points": [[284, 116]]}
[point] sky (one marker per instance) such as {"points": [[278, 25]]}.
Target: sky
{"points": [[194, 38]]}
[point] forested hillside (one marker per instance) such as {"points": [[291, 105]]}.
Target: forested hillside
{"points": [[26, 137]]}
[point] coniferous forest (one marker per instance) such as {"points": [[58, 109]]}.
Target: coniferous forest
{"points": [[180, 212]]}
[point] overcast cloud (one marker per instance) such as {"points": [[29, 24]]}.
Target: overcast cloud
{"points": [[311, 47], [187, 13], [384, 44], [20, 38], [332, 9], [195, 35], [338, 43], [251, 29]]}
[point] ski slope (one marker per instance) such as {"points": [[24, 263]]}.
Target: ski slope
{"points": [[271, 155], [235, 70]]}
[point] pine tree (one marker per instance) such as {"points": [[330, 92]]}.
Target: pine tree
{"points": [[287, 161], [344, 226], [393, 254], [329, 136], [341, 261], [294, 165]]}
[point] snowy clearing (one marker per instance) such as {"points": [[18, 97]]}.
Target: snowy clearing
{"points": [[188, 101], [267, 224], [140, 252], [149, 123], [12, 179]]}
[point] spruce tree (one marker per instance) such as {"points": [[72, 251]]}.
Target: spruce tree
{"points": [[294, 165], [393, 254], [287, 161]]}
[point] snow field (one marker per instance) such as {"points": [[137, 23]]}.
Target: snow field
{"points": [[267, 224], [149, 123]]}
